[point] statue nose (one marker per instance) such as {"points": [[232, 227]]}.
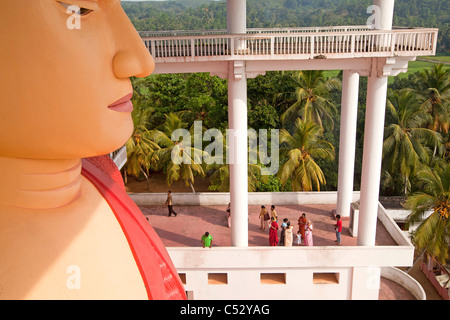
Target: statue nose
{"points": [[132, 58], [128, 64]]}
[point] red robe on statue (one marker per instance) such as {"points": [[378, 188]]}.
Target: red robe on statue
{"points": [[157, 270]]}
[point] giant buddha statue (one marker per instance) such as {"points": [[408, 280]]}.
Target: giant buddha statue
{"points": [[68, 230]]}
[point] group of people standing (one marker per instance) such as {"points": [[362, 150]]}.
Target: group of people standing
{"points": [[305, 229], [270, 221]]}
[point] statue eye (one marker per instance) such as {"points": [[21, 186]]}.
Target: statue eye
{"points": [[76, 9]]}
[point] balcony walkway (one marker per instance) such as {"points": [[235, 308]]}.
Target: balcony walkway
{"points": [[289, 44]]}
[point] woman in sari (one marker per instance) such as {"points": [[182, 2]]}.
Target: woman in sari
{"points": [[273, 233], [288, 235], [308, 234], [301, 225]]}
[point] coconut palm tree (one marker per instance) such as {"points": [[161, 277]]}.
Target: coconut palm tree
{"points": [[407, 141], [220, 176], [311, 98], [434, 88], [140, 147], [183, 161], [433, 234], [302, 149]]}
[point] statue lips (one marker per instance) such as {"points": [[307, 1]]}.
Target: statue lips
{"points": [[122, 105]]}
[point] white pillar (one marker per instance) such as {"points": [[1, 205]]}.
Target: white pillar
{"points": [[386, 13], [237, 121], [238, 153], [373, 140], [236, 16], [237, 20], [347, 141], [372, 155]]}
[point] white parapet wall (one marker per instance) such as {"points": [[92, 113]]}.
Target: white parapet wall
{"points": [[392, 228], [405, 280], [256, 273], [254, 198]]}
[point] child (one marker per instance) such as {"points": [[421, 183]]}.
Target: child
{"points": [[299, 238]]}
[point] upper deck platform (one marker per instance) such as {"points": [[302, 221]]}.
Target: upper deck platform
{"points": [[284, 44]]}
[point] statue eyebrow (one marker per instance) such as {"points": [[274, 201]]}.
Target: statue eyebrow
{"points": [[85, 1]]}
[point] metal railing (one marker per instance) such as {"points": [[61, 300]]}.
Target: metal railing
{"points": [[308, 43]]}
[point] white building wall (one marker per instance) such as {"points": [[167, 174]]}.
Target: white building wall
{"points": [[254, 198], [356, 270]]}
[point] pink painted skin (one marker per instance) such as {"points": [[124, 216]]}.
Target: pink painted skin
{"points": [[122, 105]]}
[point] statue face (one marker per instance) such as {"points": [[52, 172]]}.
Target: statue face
{"points": [[64, 90]]}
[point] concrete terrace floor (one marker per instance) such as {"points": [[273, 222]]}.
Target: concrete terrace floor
{"points": [[192, 222], [186, 229]]}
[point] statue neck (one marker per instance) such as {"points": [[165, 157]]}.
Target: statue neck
{"points": [[39, 184]]}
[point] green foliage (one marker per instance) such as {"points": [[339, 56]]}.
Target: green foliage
{"points": [[204, 97], [408, 143], [270, 184], [432, 235], [191, 158], [206, 15], [310, 97]]}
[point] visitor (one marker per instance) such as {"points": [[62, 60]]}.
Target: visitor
{"points": [[288, 235], [169, 204], [273, 232], [308, 234], [207, 240], [298, 241], [273, 213], [338, 229], [301, 225], [229, 215], [264, 218], [283, 231]]}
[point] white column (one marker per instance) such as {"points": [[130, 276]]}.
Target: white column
{"points": [[386, 13], [372, 155], [384, 17], [238, 153], [237, 121], [347, 141], [373, 140], [236, 16], [237, 20]]}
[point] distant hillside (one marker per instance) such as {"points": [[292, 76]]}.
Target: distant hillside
{"points": [[207, 14]]}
